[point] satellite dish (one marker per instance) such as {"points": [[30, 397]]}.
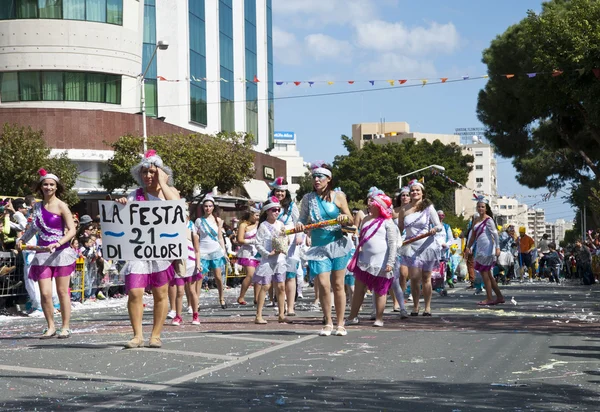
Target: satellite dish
{"points": [[475, 139]]}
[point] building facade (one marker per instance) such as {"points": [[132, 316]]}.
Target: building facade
{"points": [[482, 179], [72, 68], [394, 132], [285, 148], [509, 211], [536, 223]]}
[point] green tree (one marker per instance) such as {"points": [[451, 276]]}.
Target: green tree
{"points": [[548, 123], [380, 165], [198, 161], [23, 152], [306, 186]]}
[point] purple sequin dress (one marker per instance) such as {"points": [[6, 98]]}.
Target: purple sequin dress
{"points": [[50, 228]]}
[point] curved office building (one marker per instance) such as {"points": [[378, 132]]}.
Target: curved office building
{"points": [[72, 69]]}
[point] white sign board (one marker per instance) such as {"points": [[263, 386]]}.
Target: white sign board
{"points": [[144, 230]]}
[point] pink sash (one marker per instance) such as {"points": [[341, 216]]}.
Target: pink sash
{"points": [[363, 239]]}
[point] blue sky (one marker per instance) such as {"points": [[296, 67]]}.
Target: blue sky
{"points": [[361, 40]]}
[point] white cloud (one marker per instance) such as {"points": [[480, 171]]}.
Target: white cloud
{"points": [[395, 67], [287, 48], [318, 12], [322, 46], [386, 36]]}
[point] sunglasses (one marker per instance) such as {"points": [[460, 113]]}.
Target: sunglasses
{"points": [[275, 209]]}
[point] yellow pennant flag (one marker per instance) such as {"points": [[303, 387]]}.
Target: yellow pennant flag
{"points": [[424, 81], [485, 76], [391, 82], [422, 180], [330, 83]]}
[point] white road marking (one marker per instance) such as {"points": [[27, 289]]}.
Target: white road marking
{"points": [[77, 375]]}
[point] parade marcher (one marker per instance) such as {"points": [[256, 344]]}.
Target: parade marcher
{"points": [[485, 235], [189, 272], [373, 261], [526, 255], [419, 217], [272, 268], [330, 249], [54, 225], [444, 238], [212, 245], [289, 217], [400, 272], [469, 258], [247, 254], [156, 184], [506, 260]]}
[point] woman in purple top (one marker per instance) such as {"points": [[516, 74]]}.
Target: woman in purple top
{"points": [[156, 183], [53, 222]]}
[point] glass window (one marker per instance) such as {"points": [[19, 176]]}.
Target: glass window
{"points": [[150, 24], [9, 89], [27, 9], [478, 153], [151, 98], [74, 9], [114, 12], [478, 167], [95, 10], [29, 86], [50, 9], [75, 87], [7, 9], [113, 89], [52, 86], [198, 104], [96, 87], [479, 180]]}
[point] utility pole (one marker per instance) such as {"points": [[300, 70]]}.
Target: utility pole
{"points": [[535, 226]]}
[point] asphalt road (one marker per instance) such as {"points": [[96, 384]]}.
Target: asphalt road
{"points": [[542, 354]]}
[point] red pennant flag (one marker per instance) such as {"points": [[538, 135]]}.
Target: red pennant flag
{"points": [[443, 81], [161, 78], [509, 76], [402, 81], [351, 81], [596, 73], [556, 73], [297, 83], [255, 79]]}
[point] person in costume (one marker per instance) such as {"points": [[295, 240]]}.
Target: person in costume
{"points": [[444, 238], [373, 261], [212, 245], [156, 184], [247, 254], [485, 236], [54, 225], [289, 217], [506, 260], [330, 249], [272, 268], [419, 218], [400, 272], [186, 281]]}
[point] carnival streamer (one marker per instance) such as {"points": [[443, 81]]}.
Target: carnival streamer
{"points": [[392, 82]]}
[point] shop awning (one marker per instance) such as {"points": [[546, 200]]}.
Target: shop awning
{"points": [[257, 190]]}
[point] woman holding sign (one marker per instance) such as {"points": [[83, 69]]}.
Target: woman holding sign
{"points": [[212, 244], [156, 184], [330, 251], [54, 258]]}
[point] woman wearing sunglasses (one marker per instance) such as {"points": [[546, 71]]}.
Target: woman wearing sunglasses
{"points": [[330, 251]]}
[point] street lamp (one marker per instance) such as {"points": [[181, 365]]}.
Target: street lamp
{"points": [[442, 168], [162, 45]]}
